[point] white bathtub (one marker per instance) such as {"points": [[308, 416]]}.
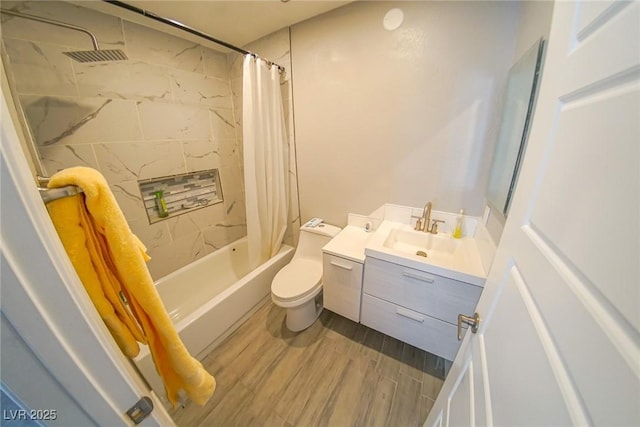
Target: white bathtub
{"points": [[209, 298]]}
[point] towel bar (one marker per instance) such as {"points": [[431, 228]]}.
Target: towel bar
{"points": [[51, 194]]}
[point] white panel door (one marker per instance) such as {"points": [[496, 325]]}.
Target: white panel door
{"points": [[559, 339], [52, 318]]}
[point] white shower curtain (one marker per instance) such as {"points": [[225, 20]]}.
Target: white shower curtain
{"points": [[265, 159]]}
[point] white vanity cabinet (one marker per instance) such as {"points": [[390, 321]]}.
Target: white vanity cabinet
{"points": [[415, 306], [342, 286], [342, 265]]}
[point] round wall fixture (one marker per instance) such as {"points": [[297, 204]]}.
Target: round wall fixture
{"points": [[393, 19]]}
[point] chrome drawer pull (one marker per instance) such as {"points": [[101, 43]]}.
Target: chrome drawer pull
{"points": [[409, 315], [421, 278], [346, 267]]}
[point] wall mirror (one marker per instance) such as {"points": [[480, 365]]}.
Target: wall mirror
{"points": [[518, 106]]}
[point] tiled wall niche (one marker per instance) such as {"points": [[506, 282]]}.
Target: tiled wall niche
{"points": [[170, 196], [168, 110]]}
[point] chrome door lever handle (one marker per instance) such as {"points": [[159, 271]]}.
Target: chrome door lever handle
{"points": [[474, 322]]}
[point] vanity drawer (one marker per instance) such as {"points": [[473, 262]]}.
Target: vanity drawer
{"points": [[342, 286], [425, 332], [427, 293]]}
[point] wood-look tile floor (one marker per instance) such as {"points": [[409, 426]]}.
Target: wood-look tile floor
{"points": [[335, 373]]}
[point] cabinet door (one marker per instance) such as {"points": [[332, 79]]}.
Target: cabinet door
{"points": [[342, 286]]}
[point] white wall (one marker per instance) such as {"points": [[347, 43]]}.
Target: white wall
{"points": [[402, 116], [535, 22]]}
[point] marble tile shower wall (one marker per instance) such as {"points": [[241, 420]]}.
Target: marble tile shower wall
{"points": [[168, 110]]}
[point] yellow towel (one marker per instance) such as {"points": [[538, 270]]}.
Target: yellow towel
{"points": [[110, 261]]}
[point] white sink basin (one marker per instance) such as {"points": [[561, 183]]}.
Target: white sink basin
{"points": [[400, 244], [412, 242]]}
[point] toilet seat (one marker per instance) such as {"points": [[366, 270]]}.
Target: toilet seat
{"points": [[297, 280]]}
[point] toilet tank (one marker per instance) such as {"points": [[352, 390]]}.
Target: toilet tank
{"points": [[312, 239]]}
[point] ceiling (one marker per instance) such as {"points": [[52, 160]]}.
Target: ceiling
{"points": [[236, 22]]}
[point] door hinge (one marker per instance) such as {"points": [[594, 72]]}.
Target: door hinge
{"points": [[140, 410]]}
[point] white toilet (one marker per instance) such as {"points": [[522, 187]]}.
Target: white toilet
{"points": [[298, 286]]}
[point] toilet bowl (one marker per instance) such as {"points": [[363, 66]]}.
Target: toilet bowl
{"points": [[297, 287]]}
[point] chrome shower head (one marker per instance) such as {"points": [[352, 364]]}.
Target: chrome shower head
{"points": [[97, 55]]}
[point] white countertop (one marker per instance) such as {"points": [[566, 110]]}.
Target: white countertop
{"points": [[350, 243], [469, 270], [354, 243]]}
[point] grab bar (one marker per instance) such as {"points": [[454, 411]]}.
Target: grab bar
{"points": [[51, 194], [42, 180]]}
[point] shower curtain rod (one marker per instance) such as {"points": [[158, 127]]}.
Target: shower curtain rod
{"points": [[188, 29]]}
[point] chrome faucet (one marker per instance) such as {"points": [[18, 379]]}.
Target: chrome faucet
{"points": [[424, 222], [426, 217]]}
